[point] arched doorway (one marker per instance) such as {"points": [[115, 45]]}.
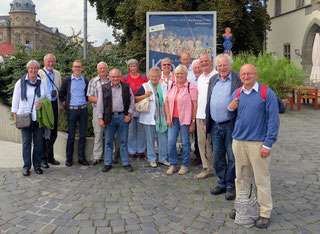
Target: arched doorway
{"points": [[306, 55]]}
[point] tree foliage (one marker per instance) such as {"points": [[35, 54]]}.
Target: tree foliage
{"points": [[248, 20]]}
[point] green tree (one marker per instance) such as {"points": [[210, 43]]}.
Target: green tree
{"points": [[248, 20]]}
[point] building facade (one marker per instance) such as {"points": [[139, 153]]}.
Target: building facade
{"points": [[22, 27], [294, 24]]}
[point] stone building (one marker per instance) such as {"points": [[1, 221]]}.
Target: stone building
{"points": [[294, 24], [22, 27]]}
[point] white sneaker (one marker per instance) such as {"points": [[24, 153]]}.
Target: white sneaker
{"points": [[204, 174], [153, 164], [166, 163], [183, 170], [171, 170]]}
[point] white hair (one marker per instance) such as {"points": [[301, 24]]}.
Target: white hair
{"points": [[228, 57], [102, 63], [32, 62]]}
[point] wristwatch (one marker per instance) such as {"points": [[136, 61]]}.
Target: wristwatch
{"points": [[193, 121]]}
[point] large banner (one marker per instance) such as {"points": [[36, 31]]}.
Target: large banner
{"points": [[171, 33]]}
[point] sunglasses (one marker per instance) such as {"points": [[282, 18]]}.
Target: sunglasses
{"points": [[166, 64]]}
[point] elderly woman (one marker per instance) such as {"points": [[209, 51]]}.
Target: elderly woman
{"points": [[166, 75], [154, 122], [181, 109], [136, 135], [28, 91]]}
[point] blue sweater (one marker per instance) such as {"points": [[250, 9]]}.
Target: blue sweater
{"points": [[255, 119]]}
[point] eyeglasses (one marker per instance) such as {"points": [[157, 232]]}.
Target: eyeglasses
{"points": [[248, 74], [115, 76], [166, 64], [77, 66]]}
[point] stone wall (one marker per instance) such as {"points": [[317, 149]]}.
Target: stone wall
{"points": [[9, 132]]}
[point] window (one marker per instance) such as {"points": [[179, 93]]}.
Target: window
{"points": [[277, 10], [17, 38], [299, 3], [27, 40], [1, 37], [286, 50]]}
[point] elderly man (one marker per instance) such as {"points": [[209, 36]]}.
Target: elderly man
{"points": [[114, 110], [254, 108], [193, 78], [185, 61], [94, 87], [52, 80], [204, 139], [74, 99], [219, 125]]}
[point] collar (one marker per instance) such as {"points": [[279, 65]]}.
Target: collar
{"points": [[115, 86], [48, 70], [27, 77], [162, 75], [228, 78], [98, 78], [255, 88], [74, 78]]}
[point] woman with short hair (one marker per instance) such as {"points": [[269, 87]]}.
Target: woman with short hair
{"points": [[181, 109], [136, 135], [166, 75], [28, 92], [154, 121]]}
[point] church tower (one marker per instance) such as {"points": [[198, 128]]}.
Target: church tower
{"points": [[23, 22]]}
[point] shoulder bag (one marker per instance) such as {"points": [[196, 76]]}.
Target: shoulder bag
{"points": [[24, 121], [144, 105]]}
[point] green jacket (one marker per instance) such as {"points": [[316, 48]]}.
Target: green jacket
{"points": [[45, 115]]}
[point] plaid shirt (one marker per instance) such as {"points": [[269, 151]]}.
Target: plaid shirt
{"points": [[94, 86]]}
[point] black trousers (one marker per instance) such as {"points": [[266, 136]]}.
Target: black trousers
{"points": [[48, 154]]}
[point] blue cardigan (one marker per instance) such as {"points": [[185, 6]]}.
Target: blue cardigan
{"points": [[255, 119]]}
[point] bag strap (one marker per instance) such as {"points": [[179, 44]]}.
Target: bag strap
{"points": [[34, 97], [51, 80], [126, 77], [264, 92], [238, 92]]}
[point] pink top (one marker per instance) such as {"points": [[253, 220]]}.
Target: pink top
{"points": [[184, 102]]}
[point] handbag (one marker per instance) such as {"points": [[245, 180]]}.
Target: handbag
{"points": [[24, 121], [143, 105]]}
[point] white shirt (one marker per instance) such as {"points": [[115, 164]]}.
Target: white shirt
{"points": [[24, 107], [203, 83], [148, 118], [248, 91]]}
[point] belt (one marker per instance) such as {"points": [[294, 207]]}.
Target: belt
{"points": [[117, 113], [78, 107], [224, 122]]}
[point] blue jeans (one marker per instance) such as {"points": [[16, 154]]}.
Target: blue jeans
{"points": [[150, 131], [173, 134], [117, 125], [223, 158], [75, 116], [34, 134], [136, 137]]}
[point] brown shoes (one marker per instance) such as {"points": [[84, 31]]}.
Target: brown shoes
{"points": [[204, 174]]}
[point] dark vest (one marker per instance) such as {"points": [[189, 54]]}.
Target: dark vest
{"points": [[107, 100]]}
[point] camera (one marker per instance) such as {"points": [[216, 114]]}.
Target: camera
{"points": [[53, 93]]}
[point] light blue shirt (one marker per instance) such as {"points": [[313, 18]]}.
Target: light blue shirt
{"points": [[77, 91], [220, 99], [50, 86]]}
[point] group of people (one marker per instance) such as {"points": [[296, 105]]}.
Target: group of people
{"points": [[234, 125]]}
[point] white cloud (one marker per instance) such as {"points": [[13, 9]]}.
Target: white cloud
{"points": [[67, 14]]}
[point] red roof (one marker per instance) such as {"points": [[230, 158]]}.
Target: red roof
{"points": [[6, 48]]}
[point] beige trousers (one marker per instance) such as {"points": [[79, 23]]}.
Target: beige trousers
{"points": [[248, 162], [205, 146]]}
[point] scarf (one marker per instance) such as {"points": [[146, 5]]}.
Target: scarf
{"points": [[160, 114], [24, 83]]}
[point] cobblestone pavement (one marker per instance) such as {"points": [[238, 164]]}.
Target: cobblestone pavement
{"points": [[85, 200]]}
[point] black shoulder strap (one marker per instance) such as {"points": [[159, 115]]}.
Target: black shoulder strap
{"points": [[188, 87], [50, 79]]}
